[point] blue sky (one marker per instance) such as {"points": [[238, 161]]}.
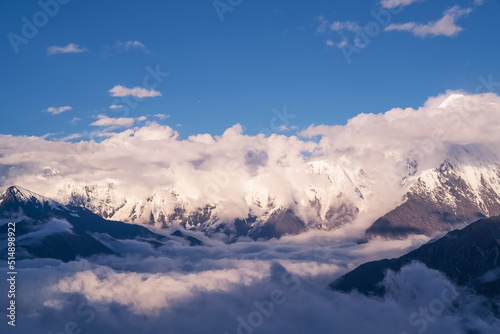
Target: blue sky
{"points": [[234, 62]]}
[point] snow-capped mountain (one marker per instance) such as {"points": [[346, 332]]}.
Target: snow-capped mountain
{"points": [[17, 196], [463, 188], [333, 199], [48, 229], [417, 199]]}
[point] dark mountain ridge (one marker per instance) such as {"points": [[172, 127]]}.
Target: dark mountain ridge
{"points": [[464, 256]]}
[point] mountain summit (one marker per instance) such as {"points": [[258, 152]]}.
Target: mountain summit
{"points": [[16, 196], [463, 188]]}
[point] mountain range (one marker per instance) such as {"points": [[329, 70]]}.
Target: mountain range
{"points": [[461, 188], [48, 229]]}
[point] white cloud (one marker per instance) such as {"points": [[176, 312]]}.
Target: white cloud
{"points": [[130, 45], [112, 294], [113, 122], [156, 291], [71, 137], [337, 26], [115, 106], [344, 26], [58, 110], [342, 43], [75, 120], [139, 92], [169, 284], [53, 226], [124, 47], [397, 3], [102, 134], [285, 128], [70, 48], [160, 284], [339, 45], [445, 26], [235, 171], [340, 28], [161, 116], [323, 24]]}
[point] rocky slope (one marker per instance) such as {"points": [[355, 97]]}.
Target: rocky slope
{"points": [[468, 257], [462, 189], [47, 229]]}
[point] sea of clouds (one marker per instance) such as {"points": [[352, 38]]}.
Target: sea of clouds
{"points": [[278, 286], [275, 286]]}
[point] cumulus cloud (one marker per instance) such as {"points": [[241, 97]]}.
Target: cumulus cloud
{"points": [[139, 92], [265, 287], [445, 26], [156, 291], [115, 106], [58, 110], [238, 173], [70, 48], [104, 120], [397, 3]]}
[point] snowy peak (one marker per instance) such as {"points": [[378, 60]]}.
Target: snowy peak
{"points": [[463, 188], [16, 196], [100, 199], [470, 172], [22, 195]]}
